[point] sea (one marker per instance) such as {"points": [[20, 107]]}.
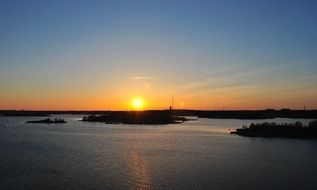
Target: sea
{"points": [[197, 154]]}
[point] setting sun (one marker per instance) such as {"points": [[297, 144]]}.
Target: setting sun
{"points": [[137, 103]]}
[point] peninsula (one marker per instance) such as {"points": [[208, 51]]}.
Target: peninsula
{"points": [[286, 130]]}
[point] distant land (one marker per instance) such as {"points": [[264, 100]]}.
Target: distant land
{"points": [[221, 114]]}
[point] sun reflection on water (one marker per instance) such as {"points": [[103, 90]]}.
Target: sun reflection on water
{"points": [[140, 174]]}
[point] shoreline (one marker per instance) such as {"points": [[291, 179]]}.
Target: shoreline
{"points": [[214, 114]]}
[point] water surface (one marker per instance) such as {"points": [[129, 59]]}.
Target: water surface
{"points": [[194, 155]]}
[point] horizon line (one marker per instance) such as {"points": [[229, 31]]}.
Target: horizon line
{"points": [[69, 110]]}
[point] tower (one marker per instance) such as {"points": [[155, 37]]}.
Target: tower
{"points": [[172, 105]]}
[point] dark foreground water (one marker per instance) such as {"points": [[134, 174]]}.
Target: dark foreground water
{"points": [[193, 155]]}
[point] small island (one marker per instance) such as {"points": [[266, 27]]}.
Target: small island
{"points": [[48, 121], [286, 130], [136, 117]]}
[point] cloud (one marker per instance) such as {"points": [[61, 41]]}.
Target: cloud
{"points": [[141, 78]]}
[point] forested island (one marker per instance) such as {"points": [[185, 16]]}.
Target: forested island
{"points": [[136, 117], [286, 130], [48, 121]]}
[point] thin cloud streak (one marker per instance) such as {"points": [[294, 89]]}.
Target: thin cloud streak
{"points": [[142, 78]]}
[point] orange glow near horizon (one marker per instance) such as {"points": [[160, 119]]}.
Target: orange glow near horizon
{"points": [[157, 97], [123, 101]]}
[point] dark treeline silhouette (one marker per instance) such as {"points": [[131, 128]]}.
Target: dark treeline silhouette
{"points": [[48, 121], [259, 114], [136, 117], [226, 114], [31, 113], [288, 130], [24, 113]]}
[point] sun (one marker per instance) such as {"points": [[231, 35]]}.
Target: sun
{"points": [[137, 103]]}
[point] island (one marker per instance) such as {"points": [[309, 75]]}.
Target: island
{"points": [[286, 130], [136, 117], [48, 121]]}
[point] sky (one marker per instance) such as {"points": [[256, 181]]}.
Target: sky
{"points": [[215, 54]]}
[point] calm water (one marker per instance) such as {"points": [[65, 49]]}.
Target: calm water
{"points": [[193, 155]]}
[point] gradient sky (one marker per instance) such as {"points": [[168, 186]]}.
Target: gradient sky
{"points": [[98, 55]]}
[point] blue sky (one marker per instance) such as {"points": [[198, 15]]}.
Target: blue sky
{"points": [[237, 54]]}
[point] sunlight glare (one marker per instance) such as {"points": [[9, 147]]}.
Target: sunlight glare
{"points": [[137, 103]]}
